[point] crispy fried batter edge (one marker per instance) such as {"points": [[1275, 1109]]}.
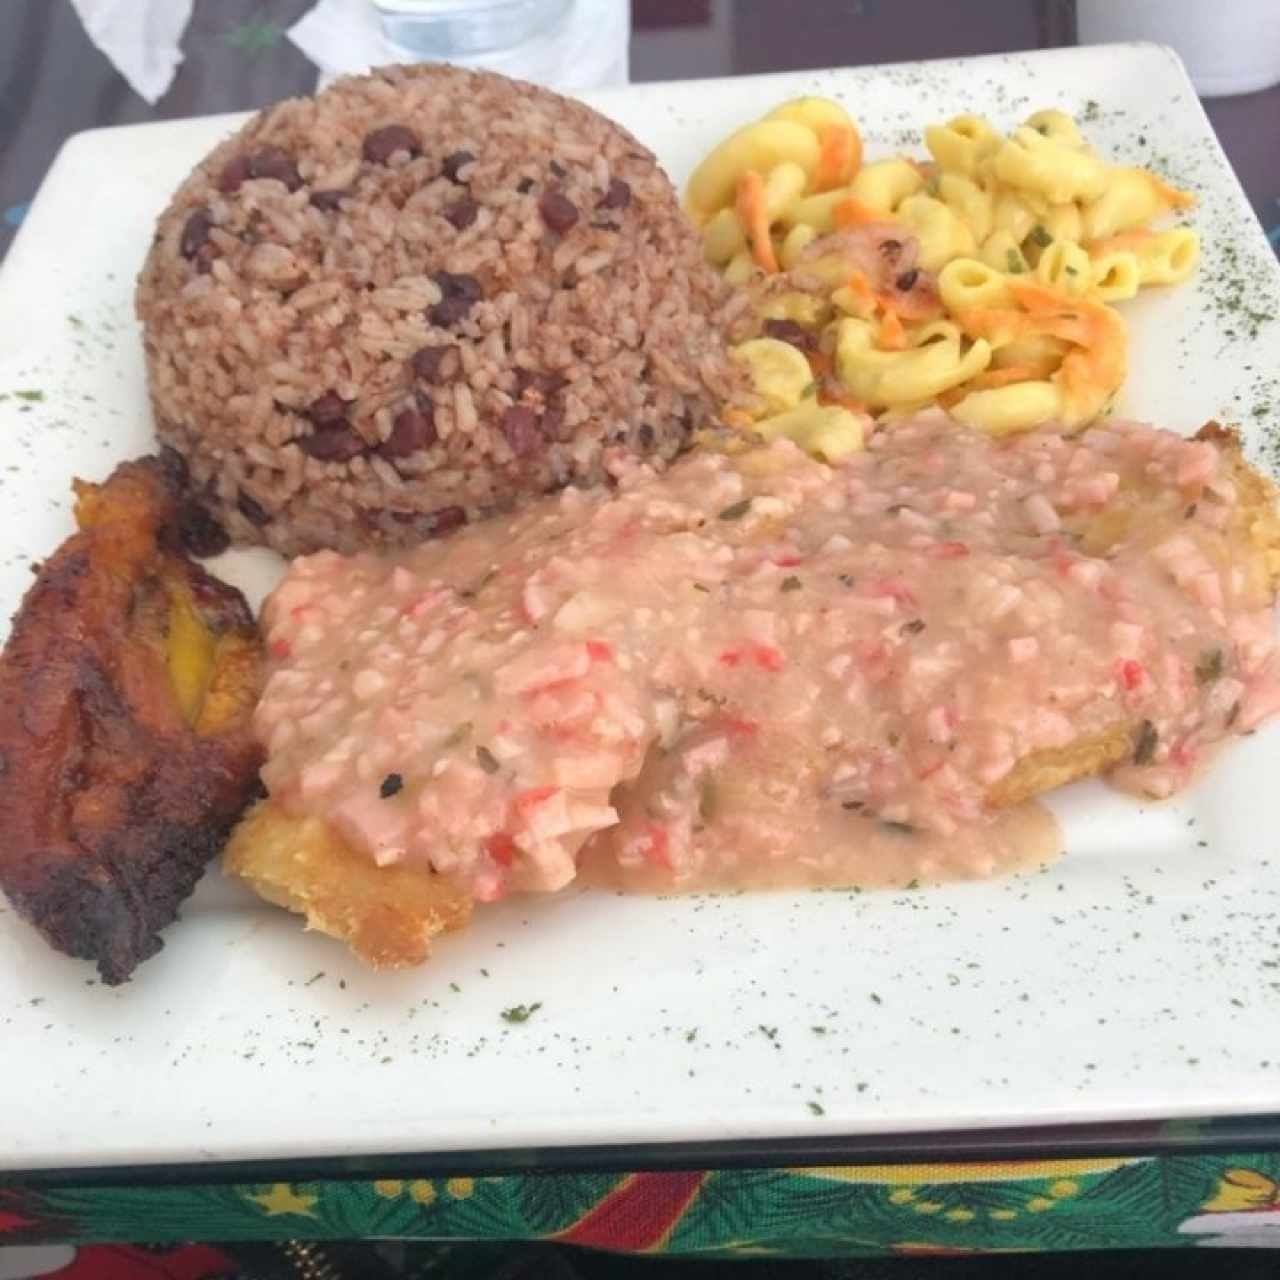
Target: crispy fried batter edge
{"points": [[387, 915], [111, 803], [1254, 537]]}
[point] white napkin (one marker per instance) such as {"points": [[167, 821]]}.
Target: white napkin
{"points": [[586, 51], [140, 39]]}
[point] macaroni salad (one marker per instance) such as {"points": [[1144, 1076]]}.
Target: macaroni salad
{"points": [[981, 280]]}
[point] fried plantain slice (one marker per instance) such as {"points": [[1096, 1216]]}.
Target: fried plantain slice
{"points": [[127, 688]]}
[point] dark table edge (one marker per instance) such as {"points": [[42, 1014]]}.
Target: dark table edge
{"points": [[1243, 1134]]}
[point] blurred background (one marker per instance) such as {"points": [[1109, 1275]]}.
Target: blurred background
{"points": [[69, 65]]}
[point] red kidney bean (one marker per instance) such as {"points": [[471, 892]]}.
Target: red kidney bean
{"points": [[454, 162], [617, 197], [328, 201], [461, 293], [558, 211], [329, 410], [251, 510], [335, 443], [520, 426], [195, 232], [789, 331], [412, 431], [450, 311], [234, 172], [382, 144], [547, 384], [277, 163], [446, 520], [426, 362], [462, 213]]}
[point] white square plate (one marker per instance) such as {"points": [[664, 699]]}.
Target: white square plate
{"points": [[1137, 978]]}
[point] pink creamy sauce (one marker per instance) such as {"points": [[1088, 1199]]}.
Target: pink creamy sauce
{"points": [[760, 670]]}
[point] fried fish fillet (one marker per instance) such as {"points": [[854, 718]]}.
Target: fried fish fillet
{"points": [[389, 916], [1251, 541], [126, 752]]}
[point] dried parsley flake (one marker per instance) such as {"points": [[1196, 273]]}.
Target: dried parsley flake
{"points": [[1145, 748], [521, 1012], [1210, 666]]}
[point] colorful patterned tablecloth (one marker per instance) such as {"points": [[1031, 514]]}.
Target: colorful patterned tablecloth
{"points": [[831, 1211]]}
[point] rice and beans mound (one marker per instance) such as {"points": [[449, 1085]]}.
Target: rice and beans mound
{"points": [[421, 296]]}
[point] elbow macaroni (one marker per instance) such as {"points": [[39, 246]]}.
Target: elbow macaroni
{"points": [[883, 186], [968, 202], [1030, 236], [967, 283], [940, 231], [779, 372], [1042, 166], [1132, 198], [830, 432], [1064, 265], [1167, 257], [1003, 410], [961, 145], [1116, 276], [760, 147], [879, 379]]}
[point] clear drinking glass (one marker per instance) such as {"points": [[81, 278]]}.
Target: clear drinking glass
{"points": [[443, 29]]}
